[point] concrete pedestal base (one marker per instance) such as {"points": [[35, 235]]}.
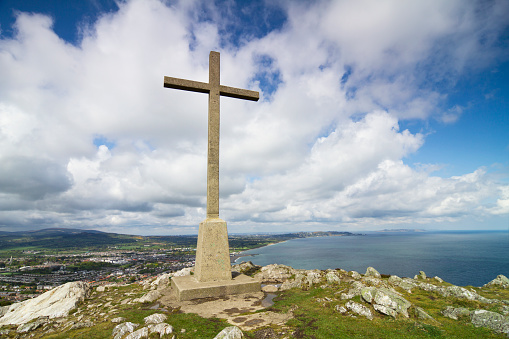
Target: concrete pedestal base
{"points": [[187, 288], [212, 252]]}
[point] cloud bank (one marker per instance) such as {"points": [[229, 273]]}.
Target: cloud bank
{"points": [[89, 137]]}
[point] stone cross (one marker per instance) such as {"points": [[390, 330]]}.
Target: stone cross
{"points": [[214, 89], [212, 252]]}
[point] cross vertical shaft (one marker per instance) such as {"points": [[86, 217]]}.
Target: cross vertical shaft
{"points": [[213, 138]]}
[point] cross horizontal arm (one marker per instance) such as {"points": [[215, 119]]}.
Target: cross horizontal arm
{"points": [[238, 93], [187, 85]]}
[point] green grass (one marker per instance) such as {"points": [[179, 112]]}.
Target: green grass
{"points": [[320, 319]]}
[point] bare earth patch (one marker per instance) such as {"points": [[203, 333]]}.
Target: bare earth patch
{"points": [[236, 309]]}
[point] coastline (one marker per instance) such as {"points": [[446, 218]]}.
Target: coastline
{"points": [[233, 258]]}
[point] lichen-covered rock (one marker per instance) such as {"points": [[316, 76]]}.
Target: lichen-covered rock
{"points": [[455, 313], [118, 320], [138, 334], [53, 304], [275, 273], [149, 297], [355, 290], [406, 284], [359, 309], [421, 314], [121, 330], [491, 320], [245, 267], [232, 332], [386, 299], [355, 274], [499, 281], [29, 327], [183, 272], [161, 328], [155, 318], [332, 278], [371, 272]]}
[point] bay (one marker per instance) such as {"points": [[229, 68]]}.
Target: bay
{"points": [[459, 257]]}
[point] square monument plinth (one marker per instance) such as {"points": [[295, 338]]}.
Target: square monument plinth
{"points": [[187, 288]]}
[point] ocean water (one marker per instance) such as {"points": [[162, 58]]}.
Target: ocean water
{"points": [[459, 257]]}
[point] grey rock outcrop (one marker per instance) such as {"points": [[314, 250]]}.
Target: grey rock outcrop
{"points": [[491, 320], [155, 318], [406, 284], [232, 332], [161, 328], [359, 309], [386, 301], [122, 329], [371, 272], [455, 313], [52, 304], [138, 334], [332, 278], [499, 281], [275, 273], [149, 297]]}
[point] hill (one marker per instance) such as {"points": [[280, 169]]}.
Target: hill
{"points": [[305, 304]]}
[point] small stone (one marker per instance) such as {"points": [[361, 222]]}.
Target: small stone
{"points": [[161, 328], [118, 320], [359, 309], [155, 318], [232, 332], [371, 272], [122, 329]]}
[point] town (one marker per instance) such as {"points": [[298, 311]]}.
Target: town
{"points": [[32, 263]]}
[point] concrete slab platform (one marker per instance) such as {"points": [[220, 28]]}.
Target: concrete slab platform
{"points": [[188, 288]]}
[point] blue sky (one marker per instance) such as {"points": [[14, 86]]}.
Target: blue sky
{"points": [[373, 115]]}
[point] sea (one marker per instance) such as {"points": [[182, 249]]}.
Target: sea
{"points": [[459, 257]]}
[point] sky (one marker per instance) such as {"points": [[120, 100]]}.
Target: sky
{"points": [[372, 115]]}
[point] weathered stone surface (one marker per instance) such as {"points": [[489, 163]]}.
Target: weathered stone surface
{"points": [[341, 309], [455, 313], [155, 318], [232, 332], [332, 278], [161, 328], [359, 309], [81, 324], [499, 281], [355, 274], [355, 290], [183, 272], [54, 303], [386, 298], [118, 320], [121, 330], [275, 273], [28, 327], [138, 334], [385, 310], [491, 320], [421, 314], [149, 297], [406, 284], [371, 272], [245, 267]]}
